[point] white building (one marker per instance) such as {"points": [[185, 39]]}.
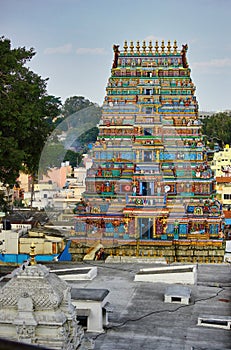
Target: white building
{"points": [[221, 163]]}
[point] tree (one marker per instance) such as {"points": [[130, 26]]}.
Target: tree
{"points": [[25, 109], [51, 157], [76, 111], [64, 138], [74, 104], [89, 136], [217, 127], [74, 158]]}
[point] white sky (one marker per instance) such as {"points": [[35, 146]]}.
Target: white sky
{"points": [[74, 38]]}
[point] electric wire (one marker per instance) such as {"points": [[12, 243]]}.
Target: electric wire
{"points": [[158, 312]]}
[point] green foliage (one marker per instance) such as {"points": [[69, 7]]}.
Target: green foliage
{"points": [[73, 157], [78, 112], [89, 136], [74, 104], [218, 128], [80, 117], [59, 145], [25, 109], [52, 156]]}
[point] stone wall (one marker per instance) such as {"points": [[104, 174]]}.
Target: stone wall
{"points": [[172, 251]]}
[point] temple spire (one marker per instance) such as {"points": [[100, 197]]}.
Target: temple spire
{"points": [[125, 47], [138, 47], [131, 48], [169, 47], [156, 47], [144, 47], [162, 46], [175, 47]]}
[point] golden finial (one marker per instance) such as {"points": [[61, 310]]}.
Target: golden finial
{"points": [[32, 254], [125, 46], [138, 47], [131, 47], [156, 47], [150, 46], [175, 47], [144, 46], [169, 47], [162, 46]]}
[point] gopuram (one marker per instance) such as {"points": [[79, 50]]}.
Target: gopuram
{"points": [[150, 181]]}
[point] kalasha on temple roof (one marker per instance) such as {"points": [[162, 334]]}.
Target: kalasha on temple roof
{"points": [[150, 179]]}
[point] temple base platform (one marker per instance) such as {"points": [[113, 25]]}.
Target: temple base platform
{"points": [[183, 251]]}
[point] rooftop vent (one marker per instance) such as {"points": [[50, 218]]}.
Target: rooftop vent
{"points": [[177, 294], [215, 321]]}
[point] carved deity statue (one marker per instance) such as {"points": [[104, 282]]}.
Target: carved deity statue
{"points": [[116, 55], [183, 54]]}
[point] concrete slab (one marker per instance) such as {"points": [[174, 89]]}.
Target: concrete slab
{"points": [[76, 274], [186, 274], [89, 294]]}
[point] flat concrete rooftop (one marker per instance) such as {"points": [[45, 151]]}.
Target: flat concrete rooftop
{"points": [[140, 318]]}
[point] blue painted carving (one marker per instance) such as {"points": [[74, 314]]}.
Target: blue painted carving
{"points": [[213, 228], [182, 228], [170, 228]]}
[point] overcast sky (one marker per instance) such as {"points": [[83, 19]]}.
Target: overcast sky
{"points": [[74, 38]]}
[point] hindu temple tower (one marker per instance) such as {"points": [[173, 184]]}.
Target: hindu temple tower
{"points": [[150, 180]]}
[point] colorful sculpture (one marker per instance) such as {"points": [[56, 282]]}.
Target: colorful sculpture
{"points": [[150, 179]]}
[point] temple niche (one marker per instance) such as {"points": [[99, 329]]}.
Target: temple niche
{"points": [[150, 179], [36, 308]]}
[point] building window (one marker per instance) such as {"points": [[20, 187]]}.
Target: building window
{"points": [[148, 92], [227, 196], [82, 321], [146, 228]]}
